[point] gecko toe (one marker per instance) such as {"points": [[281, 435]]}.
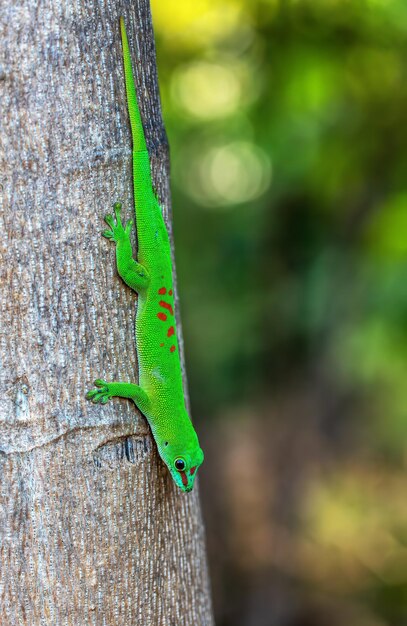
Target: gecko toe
{"points": [[100, 383], [108, 234], [109, 221], [100, 397], [117, 207]]}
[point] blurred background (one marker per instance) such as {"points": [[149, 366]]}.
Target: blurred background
{"points": [[287, 121]]}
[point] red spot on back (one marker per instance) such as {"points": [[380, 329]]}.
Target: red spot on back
{"points": [[172, 349], [161, 345], [184, 479], [170, 292], [162, 291], [170, 331], [162, 316], [167, 306], [192, 470]]}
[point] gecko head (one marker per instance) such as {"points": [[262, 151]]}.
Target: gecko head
{"points": [[183, 461]]}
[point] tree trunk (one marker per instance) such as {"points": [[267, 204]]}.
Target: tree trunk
{"points": [[92, 528]]}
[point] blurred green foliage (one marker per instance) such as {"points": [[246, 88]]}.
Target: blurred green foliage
{"points": [[287, 121]]}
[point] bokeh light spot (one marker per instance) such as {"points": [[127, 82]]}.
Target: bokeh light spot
{"points": [[239, 172], [198, 23], [230, 174], [206, 90]]}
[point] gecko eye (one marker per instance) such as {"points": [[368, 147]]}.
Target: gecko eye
{"points": [[179, 464]]}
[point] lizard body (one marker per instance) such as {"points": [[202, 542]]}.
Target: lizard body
{"points": [[159, 394]]}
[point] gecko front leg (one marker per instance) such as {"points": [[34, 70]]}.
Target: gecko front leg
{"points": [[104, 391], [134, 274]]}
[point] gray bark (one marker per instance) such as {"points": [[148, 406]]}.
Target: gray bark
{"points": [[92, 528]]}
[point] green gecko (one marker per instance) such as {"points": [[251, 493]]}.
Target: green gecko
{"points": [[159, 395]]}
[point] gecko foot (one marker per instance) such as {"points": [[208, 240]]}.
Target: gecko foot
{"points": [[100, 395], [117, 231]]}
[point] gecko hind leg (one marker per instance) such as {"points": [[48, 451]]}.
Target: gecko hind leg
{"points": [[104, 391], [134, 274]]}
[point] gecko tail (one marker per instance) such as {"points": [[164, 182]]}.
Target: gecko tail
{"points": [[137, 131]]}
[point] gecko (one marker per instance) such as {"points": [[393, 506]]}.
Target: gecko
{"points": [[159, 394]]}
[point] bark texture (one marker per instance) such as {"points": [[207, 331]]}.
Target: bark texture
{"points": [[92, 529]]}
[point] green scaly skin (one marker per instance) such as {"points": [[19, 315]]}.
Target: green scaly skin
{"points": [[159, 395]]}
